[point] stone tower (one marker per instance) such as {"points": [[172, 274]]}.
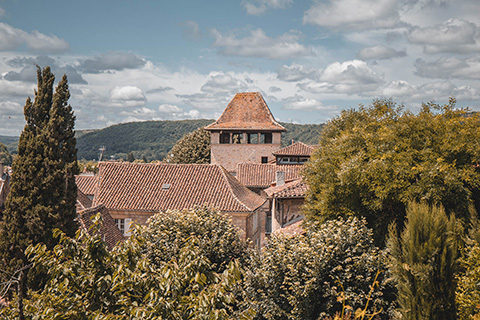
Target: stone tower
{"points": [[245, 132]]}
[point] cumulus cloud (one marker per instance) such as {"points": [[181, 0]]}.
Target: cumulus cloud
{"points": [[168, 108], [379, 52], [191, 30], [258, 44], [300, 103], [454, 35], [353, 14], [258, 7], [127, 96], [350, 77], [296, 72], [12, 38], [114, 60], [159, 89], [220, 82], [274, 89], [449, 68]]}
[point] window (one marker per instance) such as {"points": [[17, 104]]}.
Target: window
{"points": [[120, 225], [237, 137], [268, 223], [264, 159], [266, 138], [224, 137], [252, 138]]}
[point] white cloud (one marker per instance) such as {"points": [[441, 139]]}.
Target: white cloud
{"points": [[191, 30], [453, 35], [127, 96], [220, 82], [300, 103], [353, 14], [258, 7], [112, 61], [296, 72], [12, 38], [258, 44], [398, 89], [449, 68], [379, 52], [168, 108]]}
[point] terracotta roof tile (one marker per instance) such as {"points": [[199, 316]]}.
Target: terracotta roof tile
{"points": [[83, 202], [109, 231], [293, 189], [296, 149], [154, 187], [247, 110], [262, 175], [86, 183]]}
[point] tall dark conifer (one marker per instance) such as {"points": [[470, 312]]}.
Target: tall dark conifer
{"points": [[43, 190]]}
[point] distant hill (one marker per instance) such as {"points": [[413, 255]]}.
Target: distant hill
{"points": [[154, 139]]}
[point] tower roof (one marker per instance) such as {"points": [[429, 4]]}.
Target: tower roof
{"points": [[246, 111]]}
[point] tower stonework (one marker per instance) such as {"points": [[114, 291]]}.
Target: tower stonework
{"points": [[245, 132]]}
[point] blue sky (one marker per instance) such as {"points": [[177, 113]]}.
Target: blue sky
{"points": [[170, 60]]}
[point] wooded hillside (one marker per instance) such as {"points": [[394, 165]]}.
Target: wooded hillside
{"points": [[154, 139]]}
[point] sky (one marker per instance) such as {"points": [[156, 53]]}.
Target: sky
{"points": [[170, 60]]}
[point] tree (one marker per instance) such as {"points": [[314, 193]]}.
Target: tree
{"points": [[86, 281], [310, 276], [194, 147], [423, 263], [5, 156], [372, 161], [43, 190], [130, 157]]}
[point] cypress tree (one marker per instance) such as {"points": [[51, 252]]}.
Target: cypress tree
{"points": [[423, 262], [43, 190]]}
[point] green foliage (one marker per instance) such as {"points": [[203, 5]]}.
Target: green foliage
{"points": [[5, 156], [372, 161], [194, 147], [423, 262], [306, 133], [467, 295], [10, 142], [42, 191], [88, 282], [87, 166], [150, 139], [218, 239], [310, 276]]}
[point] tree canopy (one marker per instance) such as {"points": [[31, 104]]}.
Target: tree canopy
{"points": [[194, 147], [5, 156], [372, 161], [43, 191]]}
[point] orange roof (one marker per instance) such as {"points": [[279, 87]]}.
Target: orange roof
{"points": [[294, 228], [296, 149], [109, 231], [154, 187], [293, 189], [247, 111], [86, 183], [262, 175], [83, 202]]}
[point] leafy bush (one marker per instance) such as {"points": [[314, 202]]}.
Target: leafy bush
{"points": [[303, 276]]}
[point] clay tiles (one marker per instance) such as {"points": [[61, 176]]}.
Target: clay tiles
{"points": [[108, 231], [86, 183], [296, 149], [83, 202], [263, 175], [292, 189], [246, 111], [294, 228], [157, 187]]}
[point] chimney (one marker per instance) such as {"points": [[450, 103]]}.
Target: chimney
{"points": [[280, 178]]}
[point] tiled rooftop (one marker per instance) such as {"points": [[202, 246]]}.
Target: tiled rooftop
{"points": [[292, 229], [109, 231], [293, 189], [263, 175], [154, 187], [83, 202], [247, 110], [86, 183], [296, 149]]}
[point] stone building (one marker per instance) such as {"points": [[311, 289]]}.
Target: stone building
{"points": [[245, 132]]}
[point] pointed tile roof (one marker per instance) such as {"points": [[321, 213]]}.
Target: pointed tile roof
{"points": [[293, 189], [153, 187], [247, 111], [86, 183], [255, 175], [296, 149], [109, 232]]}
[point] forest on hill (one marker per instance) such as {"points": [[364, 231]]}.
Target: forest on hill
{"points": [[153, 140]]}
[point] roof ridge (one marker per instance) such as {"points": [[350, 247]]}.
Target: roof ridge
{"points": [[224, 174]]}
